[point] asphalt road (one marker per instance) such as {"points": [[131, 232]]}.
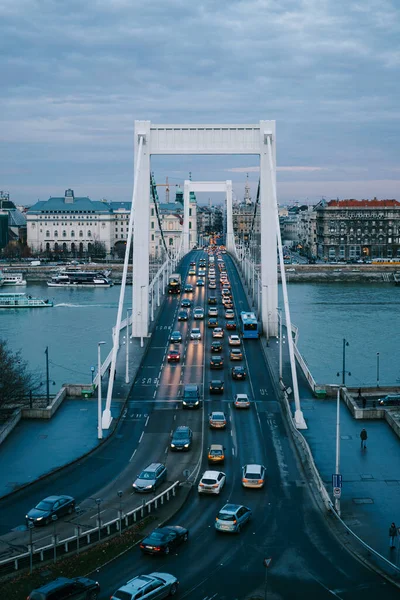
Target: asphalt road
{"points": [[286, 525]]}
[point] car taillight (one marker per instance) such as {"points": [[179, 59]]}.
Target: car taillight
{"points": [[215, 485], [244, 480], [201, 484], [157, 548], [234, 521], [260, 481]]}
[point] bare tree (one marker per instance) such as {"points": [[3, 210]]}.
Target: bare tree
{"points": [[16, 382]]}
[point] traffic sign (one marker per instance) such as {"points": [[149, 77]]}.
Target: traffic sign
{"points": [[336, 480], [337, 492], [267, 562]]}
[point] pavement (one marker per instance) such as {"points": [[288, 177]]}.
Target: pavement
{"points": [[37, 447], [371, 478]]}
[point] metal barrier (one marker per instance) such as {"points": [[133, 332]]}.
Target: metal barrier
{"points": [[82, 539]]}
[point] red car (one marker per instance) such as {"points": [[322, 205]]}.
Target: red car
{"points": [[231, 325], [174, 356]]}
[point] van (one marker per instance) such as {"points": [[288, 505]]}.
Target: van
{"points": [[35, 263], [191, 396]]}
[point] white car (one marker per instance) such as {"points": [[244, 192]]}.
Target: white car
{"points": [[241, 401], [234, 340], [213, 311], [229, 313], [212, 285], [195, 334], [198, 313], [218, 332], [211, 482]]}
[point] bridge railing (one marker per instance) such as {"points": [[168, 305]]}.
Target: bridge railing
{"points": [[82, 539]]}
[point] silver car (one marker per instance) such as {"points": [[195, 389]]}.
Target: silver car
{"points": [[253, 476], [150, 478], [154, 585], [232, 517]]}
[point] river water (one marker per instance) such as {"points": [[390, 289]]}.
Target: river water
{"points": [[367, 315]]}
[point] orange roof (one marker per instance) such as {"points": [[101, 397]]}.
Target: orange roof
{"points": [[363, 203]]}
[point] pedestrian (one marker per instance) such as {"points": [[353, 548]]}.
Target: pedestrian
{"points": [[359, 392], [364, 401], [392, 535], [363, 437]]}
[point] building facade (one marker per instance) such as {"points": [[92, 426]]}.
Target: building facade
{"points": [[209, 219], [12, 222], [358, 229], [244, 221]]}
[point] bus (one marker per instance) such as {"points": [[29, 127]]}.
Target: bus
{"points": [[174, 283], [249, 325]]}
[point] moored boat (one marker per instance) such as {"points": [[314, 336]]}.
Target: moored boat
{"points": [[10, 278], [21, 300], [75, 278]]}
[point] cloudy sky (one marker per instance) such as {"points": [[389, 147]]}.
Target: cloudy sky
{"points": [[75, 75]]}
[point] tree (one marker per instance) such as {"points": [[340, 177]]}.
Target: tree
{"points": [[15, 380], [98, 249]]}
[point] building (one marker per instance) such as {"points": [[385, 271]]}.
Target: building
{"points": [[357, 229], [209, 219], [12, 222], [70, 224], [307, 232], [244, 221]]}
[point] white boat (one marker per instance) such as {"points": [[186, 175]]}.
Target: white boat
{"points": [[21, 300], [10, 278], [76, 278]]}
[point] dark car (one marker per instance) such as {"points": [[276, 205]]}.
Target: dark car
{"points": [[183, 315], [216, 346], [216, 362], [151, 477], [390, 400], [188, 288], [212, 300], [231, 325], [176, 337], [191, 396], [216, 386], [213, 322], [181, 438], [79, 588], [164, 539], [239, 373], [200, 282], [174, 356], [186, 303], [43, 513]]}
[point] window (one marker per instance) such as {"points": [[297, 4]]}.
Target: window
{"points": [[152, 212], [152, 224], [89, 233], [72, 233], [81, 233], [47, 233], [64, 233], [190, 212], [190, 224], [170, 241], [56, 233]]}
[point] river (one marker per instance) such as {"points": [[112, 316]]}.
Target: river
{"points": [[366, 315]]}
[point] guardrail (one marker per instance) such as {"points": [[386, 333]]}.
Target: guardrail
{"points": [[83, 539]]}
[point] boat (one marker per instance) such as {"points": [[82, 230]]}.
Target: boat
{"points": [[10, 278], [77, 278], [21, 300]]}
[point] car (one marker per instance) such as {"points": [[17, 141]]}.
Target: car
{"points": [[231, 325], [183, 315], [173, 356], [218, 332], [181, 438], [212, 285], [213, 311], [176, 337], [235, 354], [186, 303], [216, 386], [390, 400], [198, 313], [217, 420], [155, 585], [227, 303], [191, 396], [238, 373], [200, 282], [164, 539], [241, 400], [216, 362], [188, 288], [195, 334], [57, 506], [253, 476], [234, 340], [226, 292], [192, 272], [229, 313], [232, 517], [62, 587], [216, 453], [216, 346], [212, 300], [212, 322], [211, 482], [193, 263], [150, 478]]}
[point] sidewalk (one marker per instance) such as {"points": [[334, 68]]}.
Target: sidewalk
{"points": [[37, 446], [371, 478]]}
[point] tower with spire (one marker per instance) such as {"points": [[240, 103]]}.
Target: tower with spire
{"points": [[247, 197]]}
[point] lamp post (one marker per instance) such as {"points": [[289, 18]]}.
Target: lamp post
{"points": [[280, 343], [54, 519], [99, 407], [344, 372], [119, 494], [337, 499], [377, 369], [78, 533], [92, 373], [30, 527], [47, 376], [128, 341], [98, 502]]}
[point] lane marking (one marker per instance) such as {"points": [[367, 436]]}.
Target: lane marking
{"points": [[134, 452], [147, 420], [141, 437]]}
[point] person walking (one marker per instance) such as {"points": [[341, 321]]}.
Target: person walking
{"points": [[363, 437], [392, 536], [364, 402]]}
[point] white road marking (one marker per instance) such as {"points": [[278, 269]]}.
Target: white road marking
{"points": [[147, 420], [141, 437], [134, 452], [95, 516]]}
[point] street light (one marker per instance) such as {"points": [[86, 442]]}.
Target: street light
{"points": [[99, 407], [78, 512], [98, 502], [280, 343], [92, 373], [344, 372], [377, 369], [54, 519], [119, 494], [30, 527]]}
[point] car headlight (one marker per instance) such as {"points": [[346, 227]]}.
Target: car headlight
{"points": [[172, 445], [134, 485], [39, 518], [196, 403], [186, 446], [184, 402], [148, 487]]}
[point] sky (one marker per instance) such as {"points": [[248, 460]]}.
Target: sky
{"points": [[76, 75]]}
